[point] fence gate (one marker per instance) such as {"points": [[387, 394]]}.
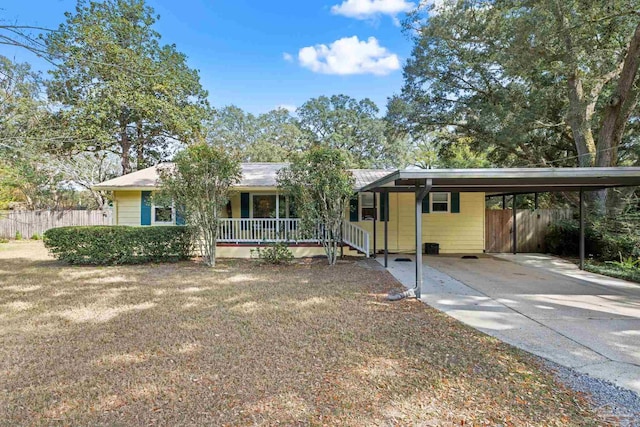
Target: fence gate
{"points": [[532, 228]]}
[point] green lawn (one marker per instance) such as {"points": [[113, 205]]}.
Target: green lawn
{"points": [[244, 344]]}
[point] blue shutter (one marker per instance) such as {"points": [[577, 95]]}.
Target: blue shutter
{"points": [[353, 208], [145, 208], [455, 202], [179, 216], [425, 204], [244, 205], [384, 202]]}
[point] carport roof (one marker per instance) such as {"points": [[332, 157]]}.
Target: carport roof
{"points": [[508, 180]]}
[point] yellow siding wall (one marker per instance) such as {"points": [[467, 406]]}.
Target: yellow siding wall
{"points": [[127, 207], [455, 232]]}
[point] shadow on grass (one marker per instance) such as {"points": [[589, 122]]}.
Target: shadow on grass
{"points": [[247, 344]]}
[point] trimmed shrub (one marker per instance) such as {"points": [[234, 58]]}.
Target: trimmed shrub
{"points": [[110, 245], [276, 253]]}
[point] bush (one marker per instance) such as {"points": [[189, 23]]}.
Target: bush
{"points": [[563, 238], [18, 235], [4, 240], [277, 253], [35, 236], [109, 245]]}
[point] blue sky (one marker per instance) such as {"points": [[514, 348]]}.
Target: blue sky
{"points": [[261, 54]]}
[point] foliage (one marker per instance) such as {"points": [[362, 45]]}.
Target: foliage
{"points": [[527, 82], [612, 270], [275, 253], [563, 239], [199, 184], [109, 245], [268, 137], [35, 236], [344, 123], [121, 90], [4, 240], [626, 263], [320, 185], [18, 235]]}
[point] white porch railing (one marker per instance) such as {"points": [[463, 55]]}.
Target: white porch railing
{"points": [[257, 230], [356, 237]]}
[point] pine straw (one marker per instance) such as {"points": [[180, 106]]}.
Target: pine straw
{"points": [[243, 344]]}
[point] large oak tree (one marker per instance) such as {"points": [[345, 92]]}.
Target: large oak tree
{"points": [[120, 89]]}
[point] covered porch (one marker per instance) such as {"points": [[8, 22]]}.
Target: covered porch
{"points": [[495, 182]]}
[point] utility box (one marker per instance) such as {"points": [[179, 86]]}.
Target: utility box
{"points": [[431, 249]]}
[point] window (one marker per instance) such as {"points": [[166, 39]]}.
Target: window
{"points": [[271, 206], [440, 202], [163, 215], [367, 207], [264, 206]]}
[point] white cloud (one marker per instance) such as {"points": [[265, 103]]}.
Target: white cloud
{"points": [[290, 108], [368, 9], [287, 57], [349, 55]]}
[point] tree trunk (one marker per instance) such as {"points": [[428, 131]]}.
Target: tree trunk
{"points": [[125, 145], [618, 107], [577, 119], [140, 163]]}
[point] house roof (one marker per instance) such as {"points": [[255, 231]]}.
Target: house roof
{"points": [[508, 180], [254, 175]]}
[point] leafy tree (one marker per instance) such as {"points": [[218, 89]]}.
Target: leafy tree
{"points": [[344, 123], [320, 184], [120, 89], [538, 81], [199, 184], [268, 137]]}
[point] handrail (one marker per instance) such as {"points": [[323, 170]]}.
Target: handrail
{"points": [[245, 230]]}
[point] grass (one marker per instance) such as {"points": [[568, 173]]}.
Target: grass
{"points": [[243, 344]]}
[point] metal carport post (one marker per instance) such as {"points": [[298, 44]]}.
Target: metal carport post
{"points": [[421, 193]]}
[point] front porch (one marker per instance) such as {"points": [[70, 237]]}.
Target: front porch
{"points": [[252, 232]]}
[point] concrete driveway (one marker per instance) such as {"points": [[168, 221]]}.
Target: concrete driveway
{"points": [[541, 304]]}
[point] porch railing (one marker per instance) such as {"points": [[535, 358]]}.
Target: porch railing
{"points": [[257, 230]]}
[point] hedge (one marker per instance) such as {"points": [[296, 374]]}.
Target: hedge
{"points": [[110, 245]]}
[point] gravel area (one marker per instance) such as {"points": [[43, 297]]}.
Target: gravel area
{"points": [[615, 404]]}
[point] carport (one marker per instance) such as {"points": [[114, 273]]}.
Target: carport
{"points": [[496, 182]]}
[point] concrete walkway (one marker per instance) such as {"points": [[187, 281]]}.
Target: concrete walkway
{"points": [[541, 304]]}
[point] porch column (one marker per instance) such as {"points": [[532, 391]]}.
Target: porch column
{"points": [[421, 193], [375, 218], [386, 230], [514, 243], [582, 209]]}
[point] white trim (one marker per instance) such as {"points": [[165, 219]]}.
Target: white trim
{"points": [[153, 215], [431, 202]]}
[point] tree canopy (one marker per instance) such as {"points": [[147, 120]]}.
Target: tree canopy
{"points": [[353, 126], [531, 83], [120, 89]]}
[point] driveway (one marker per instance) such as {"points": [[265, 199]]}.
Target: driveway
{"points": [[542, 304]]}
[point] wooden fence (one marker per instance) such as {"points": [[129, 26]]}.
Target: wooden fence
{"points": [[532, 228], [28, 223]]}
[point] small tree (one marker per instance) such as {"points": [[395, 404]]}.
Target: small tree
{"points": [[321, 186], [199, 185]]}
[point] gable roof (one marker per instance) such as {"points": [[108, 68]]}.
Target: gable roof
{"points": [[254, 175]]}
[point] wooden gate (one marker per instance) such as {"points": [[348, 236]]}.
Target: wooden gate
{"points": [[532, 228]]}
